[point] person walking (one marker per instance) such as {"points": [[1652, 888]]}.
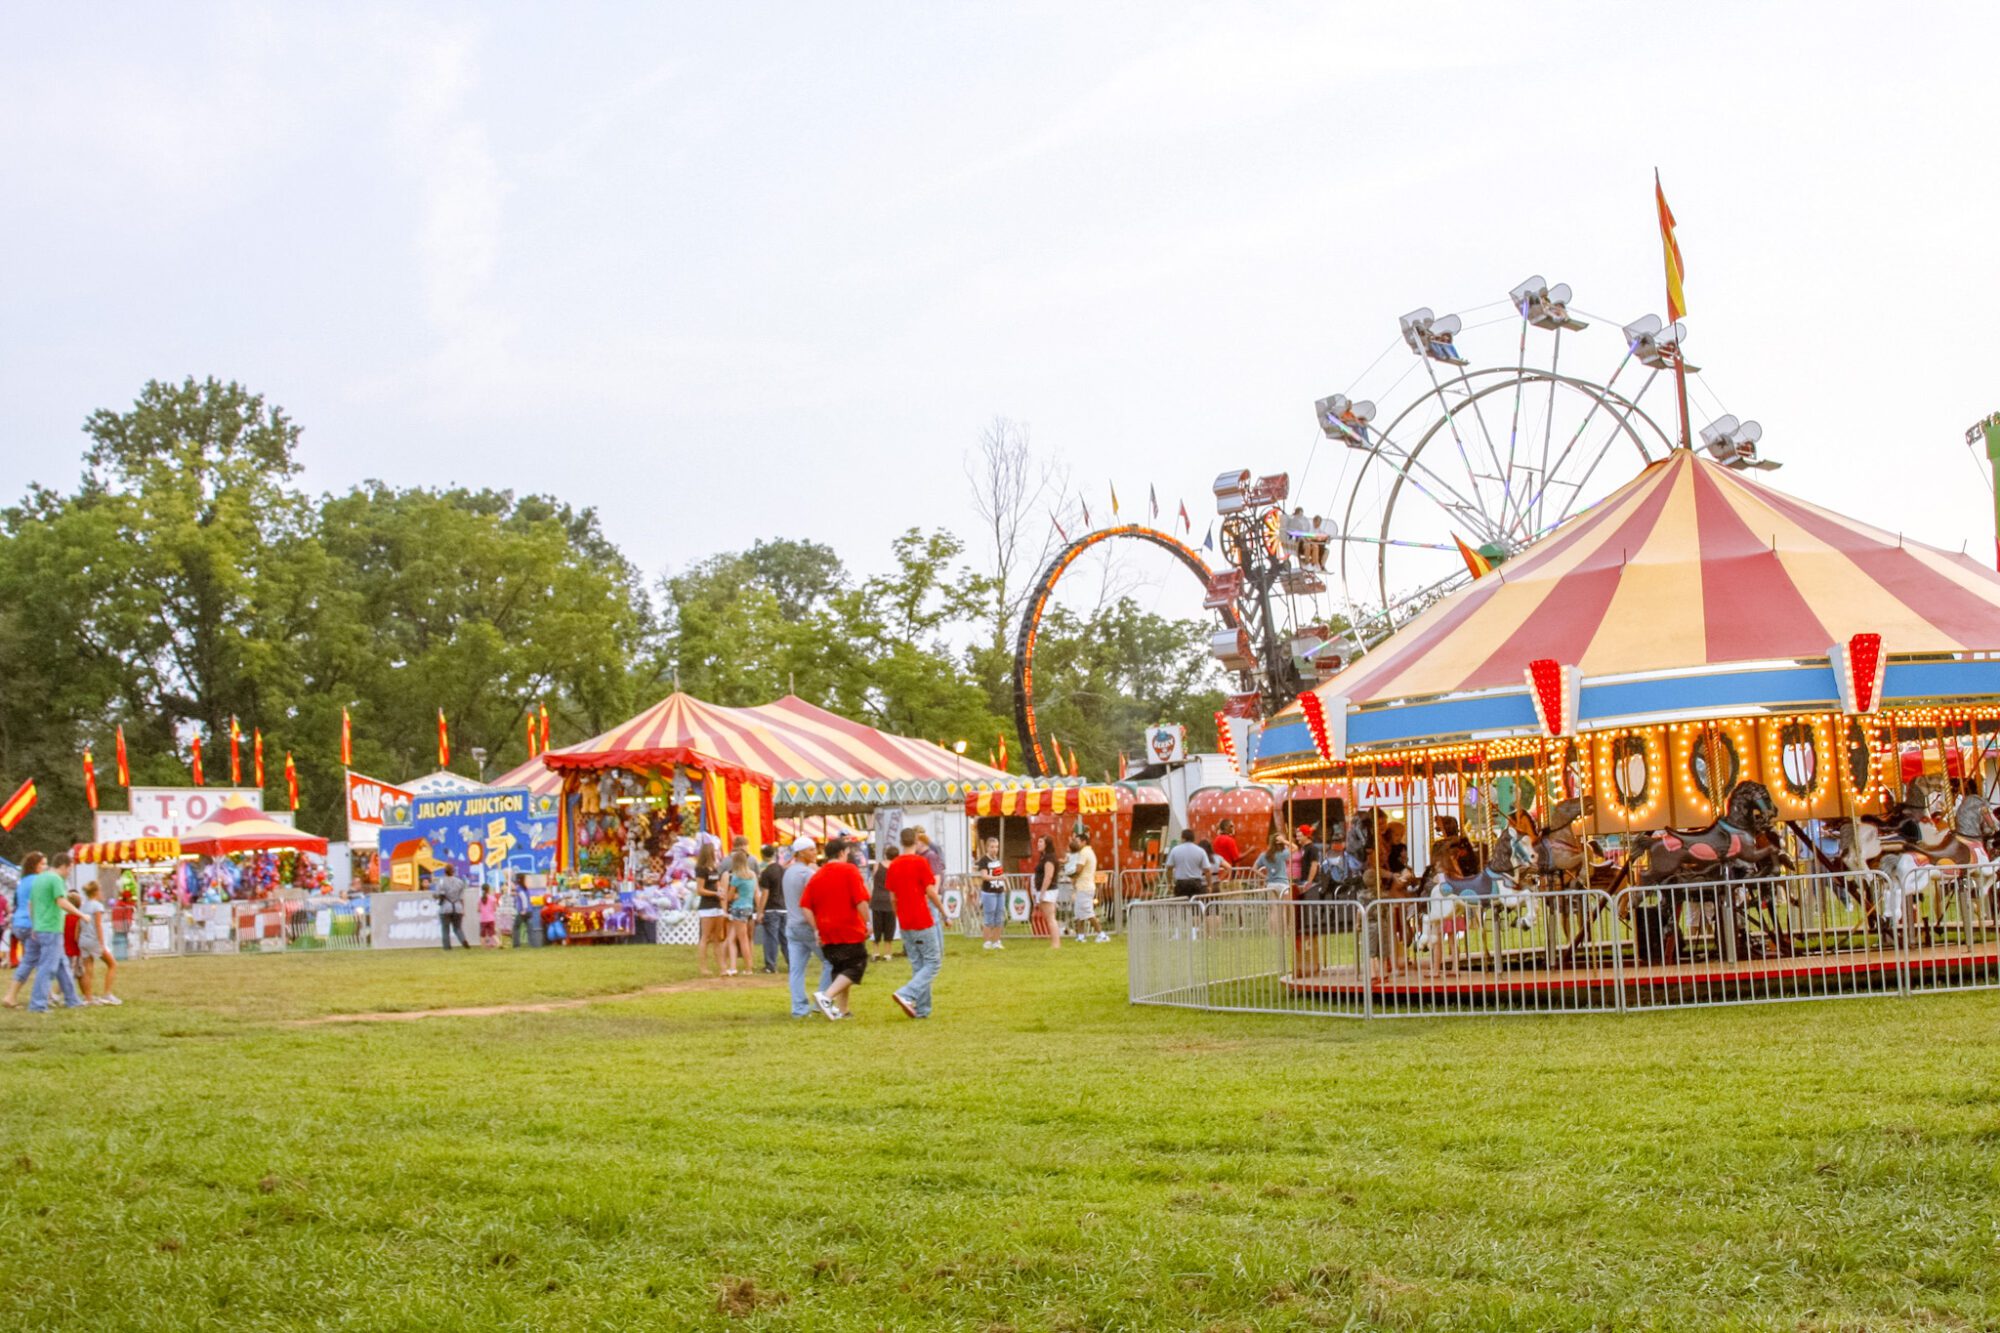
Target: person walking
{"points": [[920, 915], [769, 917], [42, 960], [1188, 866], [22, 927], [992, 894], [1083, 876], [801, 941], [1048, 870], [449, 890], [489, 917], [73, 943], [742, 907], [881, 912], [834, 905]]}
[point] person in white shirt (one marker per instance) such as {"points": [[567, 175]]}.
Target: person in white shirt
{"points": [[1083, 876]]}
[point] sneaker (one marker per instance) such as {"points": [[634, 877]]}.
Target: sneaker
{"points": [[825, 1004], [999, 944], [1102, 938], [903, 1004], [986, 944]]}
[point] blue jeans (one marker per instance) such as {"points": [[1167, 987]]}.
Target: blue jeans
{"points": [[926, 953], [45, 955], [992, 909], [771, 937], [802, 946]]}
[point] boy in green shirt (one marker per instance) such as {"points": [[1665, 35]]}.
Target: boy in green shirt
{"points": [[48, 903]]}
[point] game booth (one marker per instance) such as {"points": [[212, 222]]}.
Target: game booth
{"points": [[635, 801]]}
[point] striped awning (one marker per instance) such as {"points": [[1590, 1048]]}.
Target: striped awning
{"points": [[536, 776], [1043, 800], [814, 760], [129, 851], [243, 828], [1691, 591]]}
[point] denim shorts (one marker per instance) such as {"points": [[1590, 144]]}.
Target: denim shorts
{"points": [[740, 914], [992, 908]]}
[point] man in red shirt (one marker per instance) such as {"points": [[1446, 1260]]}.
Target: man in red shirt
{"points": [[919, 913], [835, 907], [1225, 842]]}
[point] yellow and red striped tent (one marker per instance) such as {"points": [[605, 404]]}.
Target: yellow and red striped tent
{"points": [[537, 777], [1692, 590]]}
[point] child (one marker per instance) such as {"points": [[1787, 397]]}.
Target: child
{"points": [[742, 906], [93, 938], [489, 917], [73, 946]]}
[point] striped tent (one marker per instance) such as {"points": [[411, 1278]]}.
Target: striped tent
{"points": [[1690, 592], [537, 777], [244, 828], [826, 747]]}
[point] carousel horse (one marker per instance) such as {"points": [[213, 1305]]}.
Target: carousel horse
{"points": [[1673, 862], [1921, 849], [1452, 894], [1552, 852], [1740, 839]]}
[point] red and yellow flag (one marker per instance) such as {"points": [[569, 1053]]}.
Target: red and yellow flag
{"points": [[197, 761], [531, 735], [257, 755], [1477, 563], [444, 742], [1671, 249], [545, 727], [17, 806], [1002, 751], [89, 779], [292, 779], [124, 769], [235, 753], [346, 740]]}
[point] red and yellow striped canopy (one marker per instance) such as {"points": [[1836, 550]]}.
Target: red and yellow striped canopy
{"points": [[787, 741], [1689, 565], [537, 777], [129, 851]]}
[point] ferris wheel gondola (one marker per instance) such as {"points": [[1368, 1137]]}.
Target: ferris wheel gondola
{"points": [[1491, 451]]}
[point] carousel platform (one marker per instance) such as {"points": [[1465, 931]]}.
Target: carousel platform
{"points": [[1807, 975]]}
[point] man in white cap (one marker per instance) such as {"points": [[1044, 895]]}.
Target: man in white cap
{"points": [[801, 940]]}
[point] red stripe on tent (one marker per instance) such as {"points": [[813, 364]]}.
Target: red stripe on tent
{"points": [[1954, 609], [1750, 606], [1565, 623], [1376, 671], [866, 740]]}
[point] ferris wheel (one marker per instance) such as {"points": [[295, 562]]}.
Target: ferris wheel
{"points": [[1490, 434]]}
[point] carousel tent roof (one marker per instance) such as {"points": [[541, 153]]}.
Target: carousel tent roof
{"points": [[814, 758], [1653, 594], [240, 828]]}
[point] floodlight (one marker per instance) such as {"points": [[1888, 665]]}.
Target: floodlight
{"points": [[1430, 335], [1343, 419]]}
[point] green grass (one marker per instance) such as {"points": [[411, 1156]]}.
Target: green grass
{"points": [[1039, 1156]]}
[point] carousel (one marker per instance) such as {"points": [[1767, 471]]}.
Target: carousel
{"points": [[1704, 742]]}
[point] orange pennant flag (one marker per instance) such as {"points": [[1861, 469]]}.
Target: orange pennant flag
{"points": [[257, 755], [124, 769], [444, 742], [1671, 249], [89, 779], [1474, 561], [197, 761], [235, 753], [346, 740], [292, 779]]}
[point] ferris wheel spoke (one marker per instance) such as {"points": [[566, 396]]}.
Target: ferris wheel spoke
{"points": [[1549, 425], [1623, 425], [1501, 471], [1520, 382], [1411, 464], [1451, 420], [1549, 476]]}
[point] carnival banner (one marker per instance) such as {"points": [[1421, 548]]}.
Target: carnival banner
{"points": [[489, 833], [371, 803], [168, 812]]}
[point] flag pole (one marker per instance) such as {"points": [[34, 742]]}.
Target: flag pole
{"points": [[1681, 387]]}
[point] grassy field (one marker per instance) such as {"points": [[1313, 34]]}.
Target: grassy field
{"points": [[1038, 1156]]}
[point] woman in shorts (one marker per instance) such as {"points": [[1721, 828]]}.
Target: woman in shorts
{"points": [[742, 906], [708, 910], [1048, 869]]}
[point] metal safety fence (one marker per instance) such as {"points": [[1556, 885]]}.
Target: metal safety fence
{"points": [[1753, 941], [1116, 891]]}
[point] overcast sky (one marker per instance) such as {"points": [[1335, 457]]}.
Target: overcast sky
{"points": [[729, 271]]}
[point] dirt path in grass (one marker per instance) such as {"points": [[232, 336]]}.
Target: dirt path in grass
{"points": [[543, 1006]]}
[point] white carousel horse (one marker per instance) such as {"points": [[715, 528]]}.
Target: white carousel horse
{"points": [[1451, 896]]}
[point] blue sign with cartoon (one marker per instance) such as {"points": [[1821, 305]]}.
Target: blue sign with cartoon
{"points": [[489, 834]]}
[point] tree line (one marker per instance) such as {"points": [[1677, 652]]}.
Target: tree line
{"points": [[188, 579]]}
